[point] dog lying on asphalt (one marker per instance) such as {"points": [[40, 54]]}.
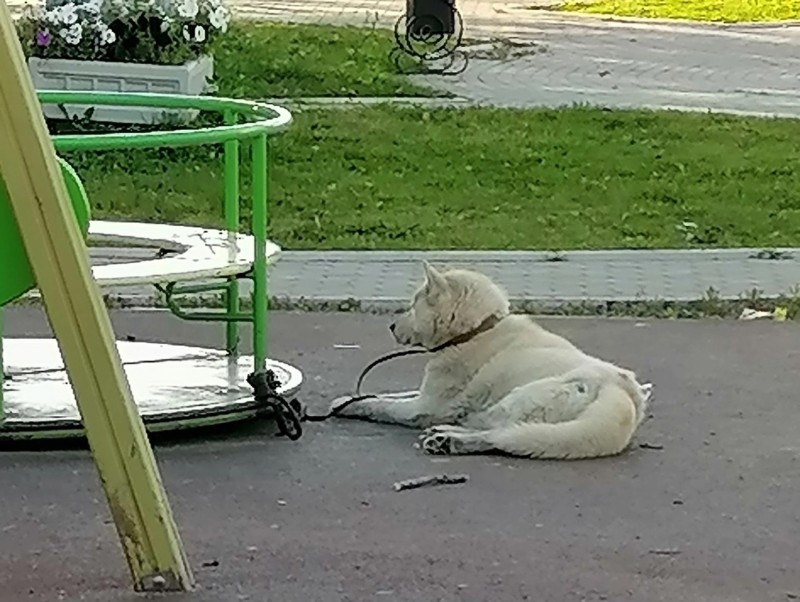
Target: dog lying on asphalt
{"points": [[497, 382]]}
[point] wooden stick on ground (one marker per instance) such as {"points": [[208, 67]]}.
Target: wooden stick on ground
{"points": [[439, 479]]}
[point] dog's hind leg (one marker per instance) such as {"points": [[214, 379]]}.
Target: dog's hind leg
{"points": [[552, 399], [455, 440], [604, 429], [405, 409]]}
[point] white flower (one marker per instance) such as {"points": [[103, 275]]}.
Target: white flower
{"points": [[187, 35], [107, 36], [219, 19], [72, 35], [53, 17], [68, 14], [188, 9], [165, 24], [92, 6], [199, 34]]}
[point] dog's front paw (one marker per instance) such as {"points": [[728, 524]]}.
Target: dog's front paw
{"points": [[341, 406]]}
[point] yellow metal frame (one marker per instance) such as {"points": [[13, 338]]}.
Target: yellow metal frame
{"points": [[79, 319]]}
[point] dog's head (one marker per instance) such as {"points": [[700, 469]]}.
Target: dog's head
{"points": [[447, 305]]}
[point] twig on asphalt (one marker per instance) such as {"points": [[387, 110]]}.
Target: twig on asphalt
{"points": [[439, 479], [667, 552]]}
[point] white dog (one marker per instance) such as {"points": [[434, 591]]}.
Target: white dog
{"points": [[499, 382]]}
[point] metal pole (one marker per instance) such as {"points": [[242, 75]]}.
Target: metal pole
{"points": [[259, 228], [232, 226]]}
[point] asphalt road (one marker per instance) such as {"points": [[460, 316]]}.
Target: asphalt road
{"points": [[713, 516]]}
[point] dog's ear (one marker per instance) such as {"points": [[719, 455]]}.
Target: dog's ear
{"points": [[435, 282]]}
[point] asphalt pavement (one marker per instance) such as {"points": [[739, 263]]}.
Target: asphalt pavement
{"points": [[711, 515]]}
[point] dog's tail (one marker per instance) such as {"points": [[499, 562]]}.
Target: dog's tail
{"points": [[605, 428]]}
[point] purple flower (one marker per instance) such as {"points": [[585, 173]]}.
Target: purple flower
{"points": [[43, 38]]}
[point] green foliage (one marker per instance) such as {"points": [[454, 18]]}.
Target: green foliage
{"points": [[260, 60], [410, 178]]}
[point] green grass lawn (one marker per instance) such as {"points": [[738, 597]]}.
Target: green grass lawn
{"points": [[729, 11], [401, 178], [262, 60]]}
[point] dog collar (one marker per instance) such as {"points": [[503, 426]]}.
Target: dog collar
{"points": [[484, 326]]}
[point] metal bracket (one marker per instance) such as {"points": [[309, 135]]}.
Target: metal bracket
{"points": [[174, 289]]}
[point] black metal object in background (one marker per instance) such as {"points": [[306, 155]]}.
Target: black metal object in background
{"points": [[430, 34], [431, 17]]}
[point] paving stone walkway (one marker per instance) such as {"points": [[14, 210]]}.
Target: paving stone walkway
{"points": [[742, 70], [388, 279], [385, 280]]}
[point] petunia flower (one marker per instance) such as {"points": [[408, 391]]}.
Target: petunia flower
{"points": [[43, 38]]}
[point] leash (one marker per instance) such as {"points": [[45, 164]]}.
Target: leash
{"points": [[358, 396], [290, 414]]}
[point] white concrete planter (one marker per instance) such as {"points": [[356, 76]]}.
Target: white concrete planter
{"points": [[67, 74]]}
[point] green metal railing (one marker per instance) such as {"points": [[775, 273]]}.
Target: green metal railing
{"points": [[244, 122]]}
